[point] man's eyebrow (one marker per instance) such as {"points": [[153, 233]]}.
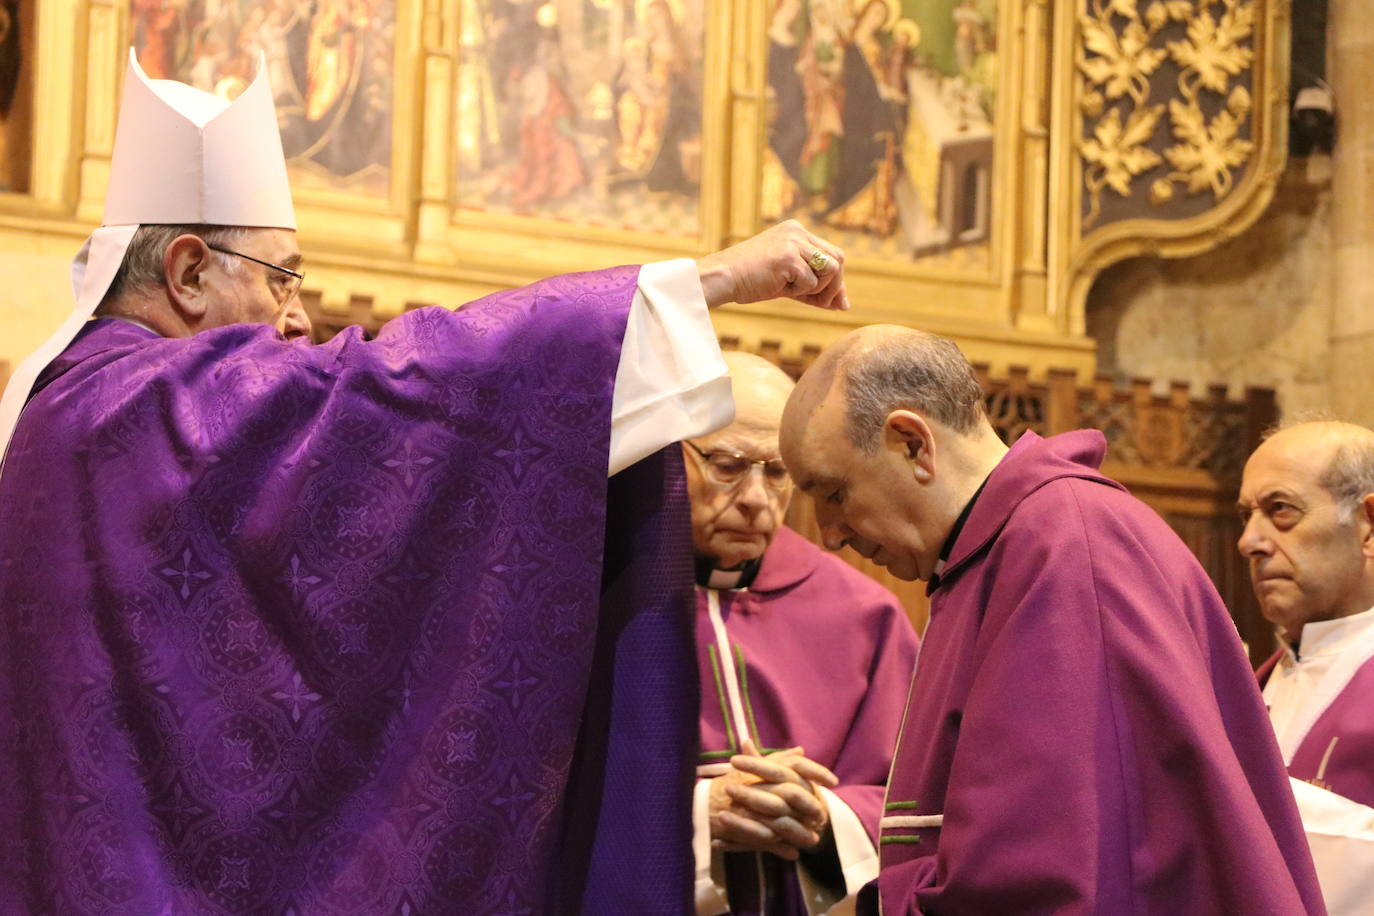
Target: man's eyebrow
{"points": [[1265, 496], [294, 261]]}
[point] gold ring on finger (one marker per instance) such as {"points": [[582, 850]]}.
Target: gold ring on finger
{"points": [[819, 261]]}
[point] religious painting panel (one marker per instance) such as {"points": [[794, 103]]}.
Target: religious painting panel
{"points": [[330, 63], [881, 125], [16, 93], [588, 112]]}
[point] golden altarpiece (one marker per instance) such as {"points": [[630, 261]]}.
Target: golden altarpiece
{"points": [[979, 160]]}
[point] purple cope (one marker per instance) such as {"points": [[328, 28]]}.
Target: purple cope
{"points": [[1084, 733], [344, 628]]}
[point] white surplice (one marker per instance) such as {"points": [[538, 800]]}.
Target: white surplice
{"points": [[1340, 831]]}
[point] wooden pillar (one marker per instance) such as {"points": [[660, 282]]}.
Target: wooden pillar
{"points": [[105, 63], [439, 30], [1061, 412]]}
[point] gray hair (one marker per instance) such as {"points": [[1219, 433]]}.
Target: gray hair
{"points": [[914, 371], [1349, 476], [142, 269]]}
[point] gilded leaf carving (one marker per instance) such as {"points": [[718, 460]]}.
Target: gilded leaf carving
{"points": [[1124, 62], [1116, 154], [1213, 51], [1210, 149], [1124, 43]]}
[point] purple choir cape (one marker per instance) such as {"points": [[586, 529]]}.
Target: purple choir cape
{"points": [[331, 629], [1338, 752], [823, 656], [1084, 734]]}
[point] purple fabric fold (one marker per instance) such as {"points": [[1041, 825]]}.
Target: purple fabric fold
{"points": [[627, 842], [1084, 734], [293, 628]]}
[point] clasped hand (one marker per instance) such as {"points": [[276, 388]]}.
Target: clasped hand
{"points": [[769, 803]]}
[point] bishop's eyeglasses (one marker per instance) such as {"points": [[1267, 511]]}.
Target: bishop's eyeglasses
{"points": [[728, 469], [284, 284]]}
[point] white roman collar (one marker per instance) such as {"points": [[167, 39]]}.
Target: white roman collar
{"points": [[724, 578], [1331, 637]]}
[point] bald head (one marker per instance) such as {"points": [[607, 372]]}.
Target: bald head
{"points": [[886, 367], [819, 379], [887, 432], [761, 390], [1339, 456]]}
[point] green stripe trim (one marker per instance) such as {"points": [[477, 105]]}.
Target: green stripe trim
{"points": [[900, 806], [909, 840], [718, 755], [720, 692], [744, 698], [715, 755]]}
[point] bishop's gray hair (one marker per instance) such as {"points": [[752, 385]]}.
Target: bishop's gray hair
{"points": [[915, 371], [142, 269], [1349, 476]]}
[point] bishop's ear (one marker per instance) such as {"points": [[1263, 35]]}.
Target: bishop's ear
{"points": [[184, 266], [911, 434]]}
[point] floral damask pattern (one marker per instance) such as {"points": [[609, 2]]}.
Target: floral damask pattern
{"points": [[1124, 44], [329, 643]]}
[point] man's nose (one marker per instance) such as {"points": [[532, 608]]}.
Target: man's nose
{"points": [[295, 322], [1254, 542], [834, 537], [834, 532], [753, 490]]}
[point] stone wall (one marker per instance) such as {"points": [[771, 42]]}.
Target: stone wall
{"points": [[1290, 303], [1255, 311]]}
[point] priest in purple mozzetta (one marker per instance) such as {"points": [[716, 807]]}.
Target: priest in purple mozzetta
{"points": [[804, 664], [1307, 498], [1084, 734], [360, 627]]}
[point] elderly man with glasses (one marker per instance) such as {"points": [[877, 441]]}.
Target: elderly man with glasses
{"points": [[180, 280], [804, 667]]}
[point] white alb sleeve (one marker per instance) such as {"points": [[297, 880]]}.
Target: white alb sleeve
{"points": [[671, 383], [1341, 835], [858, 861], [711, 897]]}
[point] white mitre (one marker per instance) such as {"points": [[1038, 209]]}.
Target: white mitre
{"points": [[181, 155]]}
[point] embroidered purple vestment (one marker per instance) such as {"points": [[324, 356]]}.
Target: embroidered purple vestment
{"points": [[324, 629]]}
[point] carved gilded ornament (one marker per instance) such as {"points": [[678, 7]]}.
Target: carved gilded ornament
{"points": [[1124, 43]]}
